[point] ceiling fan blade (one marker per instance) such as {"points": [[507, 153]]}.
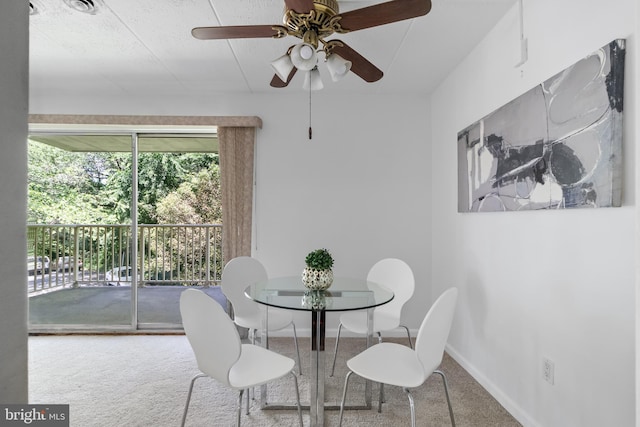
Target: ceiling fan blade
{"points": [[300, 6], [384, 13], [359, 64], [277, 81], [236, 32]]}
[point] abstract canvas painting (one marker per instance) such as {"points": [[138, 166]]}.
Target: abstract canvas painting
{"points": [[557, 146]]}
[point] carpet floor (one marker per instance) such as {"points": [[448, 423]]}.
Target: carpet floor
{"points": [[143, 380]]}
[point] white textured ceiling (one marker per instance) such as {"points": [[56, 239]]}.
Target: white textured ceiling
{"points": [[144, 47]]}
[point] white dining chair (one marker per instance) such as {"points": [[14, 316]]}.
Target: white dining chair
{"points": [[395, 275], [398, 365], [239, 273], [221, 355]]}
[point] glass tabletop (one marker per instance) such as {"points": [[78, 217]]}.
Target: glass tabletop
{"points": [[344, 294]]}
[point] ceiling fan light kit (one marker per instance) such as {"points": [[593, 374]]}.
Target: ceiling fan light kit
{"points": [[306, 51], [312, 80], [313, 21], [304, 57], [282, 66], [338, 66]]}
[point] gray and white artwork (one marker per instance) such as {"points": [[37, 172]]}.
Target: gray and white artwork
{"points": [[557, 146]]}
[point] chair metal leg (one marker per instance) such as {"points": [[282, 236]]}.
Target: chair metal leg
{"points": [[412, 407], [239, 408], [408, 335], [295, 338], [446, 392], [251, 391], [295, 381], [186, 406], [381, 399], [344, 396], [335, 351]]}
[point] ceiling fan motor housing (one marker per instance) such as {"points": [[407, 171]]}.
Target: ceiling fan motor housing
{"points": [[329, 6], [323, 20]]}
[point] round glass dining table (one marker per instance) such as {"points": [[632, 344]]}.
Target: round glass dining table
{"points": [[345, 294]]}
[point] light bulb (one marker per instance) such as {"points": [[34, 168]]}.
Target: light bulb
{"points": [[306, 52], [304, 56]]}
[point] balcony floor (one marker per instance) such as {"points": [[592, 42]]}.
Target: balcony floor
{"points": [[99, 306]]}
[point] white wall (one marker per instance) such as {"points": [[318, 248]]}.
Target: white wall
{"points": [[555, 284], [14, 45]]}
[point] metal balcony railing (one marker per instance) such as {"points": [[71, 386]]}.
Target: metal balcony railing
{"points": [[101, 254]]}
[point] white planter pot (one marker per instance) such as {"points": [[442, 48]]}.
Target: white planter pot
{"points": [[317, 280]]}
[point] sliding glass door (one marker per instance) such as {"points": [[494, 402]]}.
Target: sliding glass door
{"points": [[112, 240]]}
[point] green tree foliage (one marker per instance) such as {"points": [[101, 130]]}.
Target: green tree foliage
{"points": [[62, 189], [197, 201], [96, 188], [159, 174]]}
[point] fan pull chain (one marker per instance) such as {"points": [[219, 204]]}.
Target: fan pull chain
{"points": [[310, 130]]}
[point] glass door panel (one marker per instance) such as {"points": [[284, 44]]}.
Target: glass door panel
{"points": [[76, 241], [179, 230], [88, 192]]}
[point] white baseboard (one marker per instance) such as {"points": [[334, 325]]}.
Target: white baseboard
{"points": [[512, 407]]}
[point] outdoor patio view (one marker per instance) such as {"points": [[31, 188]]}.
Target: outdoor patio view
{"points": [[80, 242]]}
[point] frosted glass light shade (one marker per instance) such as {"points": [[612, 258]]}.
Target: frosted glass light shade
{"points": [[313, 79], [283, 67], [338, 66], [304, 56]]}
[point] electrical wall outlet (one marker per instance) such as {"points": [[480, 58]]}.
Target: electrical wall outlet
{"points": [[548, 370]]}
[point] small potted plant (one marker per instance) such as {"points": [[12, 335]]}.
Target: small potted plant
{"points": [[318, 275]]}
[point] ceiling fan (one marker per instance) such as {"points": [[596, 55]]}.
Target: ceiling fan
{"points": [[313, 21]]}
